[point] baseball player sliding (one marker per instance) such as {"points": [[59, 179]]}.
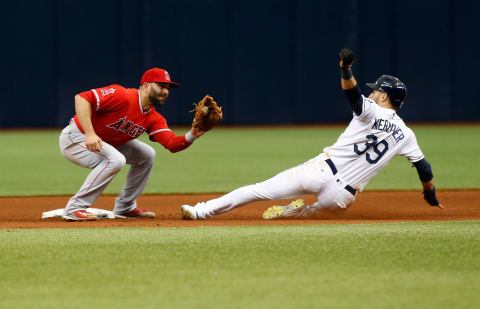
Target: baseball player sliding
{"points": [[102, 136], [374, 136]]}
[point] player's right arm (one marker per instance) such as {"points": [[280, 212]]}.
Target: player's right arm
{"points": [[158, 131], [425, 174], [83, 110], [349, 84]]}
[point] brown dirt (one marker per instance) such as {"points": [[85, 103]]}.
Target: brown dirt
{"points": [[25, 212]]}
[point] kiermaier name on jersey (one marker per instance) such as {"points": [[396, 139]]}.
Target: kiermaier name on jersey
{"points": [[385, 125]]}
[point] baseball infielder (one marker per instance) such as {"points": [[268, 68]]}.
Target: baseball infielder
{"points": [[374, 136], [102, 136]]}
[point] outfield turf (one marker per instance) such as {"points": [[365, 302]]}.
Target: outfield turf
{"points": [[396, 265], [227, 158]]}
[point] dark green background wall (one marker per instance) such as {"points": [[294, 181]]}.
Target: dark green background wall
{"points": [[267, 61]]}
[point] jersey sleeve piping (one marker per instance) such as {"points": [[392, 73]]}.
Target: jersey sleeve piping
{"points": [[157, 131], [98, 99]]}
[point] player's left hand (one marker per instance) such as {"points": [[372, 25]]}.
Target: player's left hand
{"points": [[431, 198], [347, 58], [196, 132], [93, 142]]}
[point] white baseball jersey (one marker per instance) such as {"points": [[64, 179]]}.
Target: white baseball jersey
{"points": [[369, 142]]}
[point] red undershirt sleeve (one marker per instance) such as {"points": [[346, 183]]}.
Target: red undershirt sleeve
{"points": [[159, 132], [171, 141]]}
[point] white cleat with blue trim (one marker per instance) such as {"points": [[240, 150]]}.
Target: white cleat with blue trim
{"points": [[189, 212]]}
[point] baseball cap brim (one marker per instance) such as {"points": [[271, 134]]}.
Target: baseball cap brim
{"points": [[174, 85], [373, 86], [170, 84]]}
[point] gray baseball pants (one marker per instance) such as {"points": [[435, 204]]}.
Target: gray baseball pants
{"points": [[105, 164]]}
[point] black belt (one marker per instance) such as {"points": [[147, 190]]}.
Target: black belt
{"points": [[334, 171]]}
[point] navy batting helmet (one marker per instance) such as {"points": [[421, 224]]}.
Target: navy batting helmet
{"points": [[396, 90]]}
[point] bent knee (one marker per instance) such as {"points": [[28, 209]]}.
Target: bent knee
{"points": [[117, 163], [149, 153]]}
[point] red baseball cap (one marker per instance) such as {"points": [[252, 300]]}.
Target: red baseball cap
{"points": [[159, 76]]}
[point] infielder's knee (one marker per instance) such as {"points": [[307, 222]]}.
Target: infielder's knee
{"points": [[149, 153], [117, 163]]}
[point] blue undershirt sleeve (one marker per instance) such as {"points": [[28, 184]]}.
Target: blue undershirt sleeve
{"points": [[354, 98], [424, 170]]}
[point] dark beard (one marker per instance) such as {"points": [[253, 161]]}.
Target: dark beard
{"points": [[155, 101], [158, 103]]}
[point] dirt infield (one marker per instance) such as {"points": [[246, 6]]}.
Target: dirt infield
{"points": [[25, 212]]}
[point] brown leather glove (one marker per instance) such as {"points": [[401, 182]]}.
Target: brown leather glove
{"points": [[207, 114]]}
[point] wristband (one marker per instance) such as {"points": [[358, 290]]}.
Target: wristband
{"points": [[346, 73], [189, 137]]}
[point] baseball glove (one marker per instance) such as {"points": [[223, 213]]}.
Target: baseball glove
{"points": [[207, 114]]}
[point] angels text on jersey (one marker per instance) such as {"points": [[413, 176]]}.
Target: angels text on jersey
{"points": [[124, 126]]}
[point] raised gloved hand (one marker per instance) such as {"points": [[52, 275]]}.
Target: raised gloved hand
{"points": [[347, 58], [207, 114]]}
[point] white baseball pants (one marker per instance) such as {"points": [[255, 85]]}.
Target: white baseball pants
{"points": [[105, 165], [311, 177]]}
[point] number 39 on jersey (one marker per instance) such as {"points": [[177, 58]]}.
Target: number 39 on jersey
{"points": [[379, 148]]}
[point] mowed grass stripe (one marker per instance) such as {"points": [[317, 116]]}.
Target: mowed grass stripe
{"points": [[396, 265], [225, 159]]}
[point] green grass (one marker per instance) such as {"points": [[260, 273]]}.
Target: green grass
{"points": [[396, 265], [225, 159]]}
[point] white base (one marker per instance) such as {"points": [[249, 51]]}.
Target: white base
{"points": [[59, 213]]}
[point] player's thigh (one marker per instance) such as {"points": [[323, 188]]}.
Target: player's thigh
{"points": [[136, 151], [283, 185], [301, 179], [80, 155]]}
